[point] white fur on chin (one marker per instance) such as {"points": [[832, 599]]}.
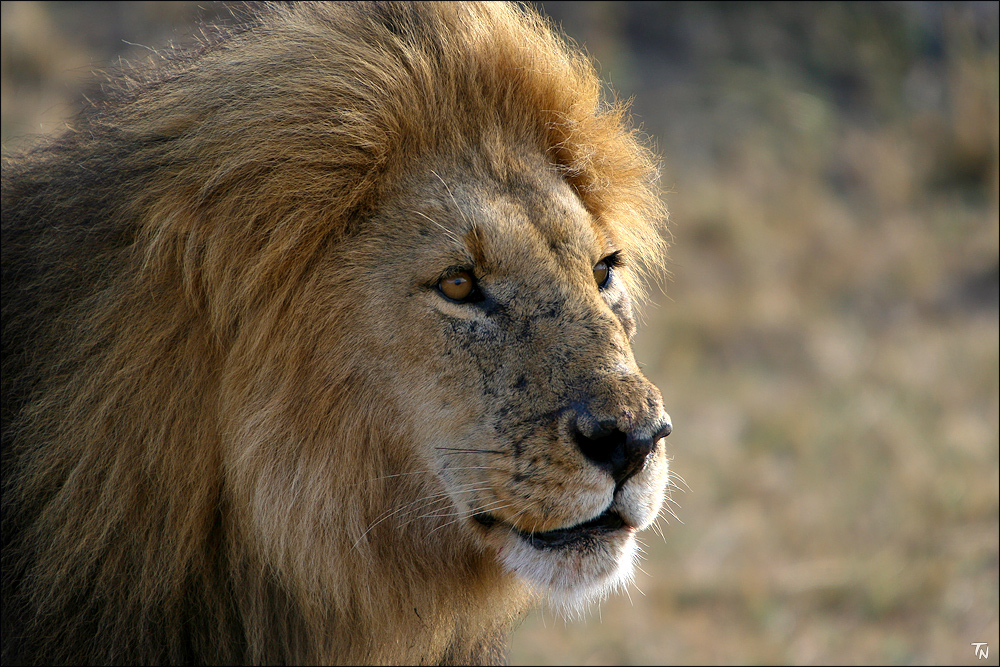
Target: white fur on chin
{"points": [[572, 579]]}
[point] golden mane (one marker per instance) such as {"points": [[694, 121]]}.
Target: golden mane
{"points": [[164, 427]]}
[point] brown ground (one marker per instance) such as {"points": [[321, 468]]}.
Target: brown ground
{"points": [[827, 345]]}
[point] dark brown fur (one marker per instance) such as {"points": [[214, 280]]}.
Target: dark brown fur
{"points": [[196, 431]]}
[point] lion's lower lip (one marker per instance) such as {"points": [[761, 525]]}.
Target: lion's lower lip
{"points": [[573, 536]]}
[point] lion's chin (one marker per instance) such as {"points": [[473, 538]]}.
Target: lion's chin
{"points": [[573, 566]]}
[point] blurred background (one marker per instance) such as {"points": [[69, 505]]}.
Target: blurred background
{"points": [[827, 343]]}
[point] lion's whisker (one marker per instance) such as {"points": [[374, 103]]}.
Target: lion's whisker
{"points": [[456, 450], [671, 513], [447, 231], [461, 211], [436, 498], [492, 506], [671, 476], [657, 529], [405, 509], [431, 499], [671, 501], [428, 472]]}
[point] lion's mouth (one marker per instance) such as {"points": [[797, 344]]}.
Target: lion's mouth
{"points": [[563, 538]]}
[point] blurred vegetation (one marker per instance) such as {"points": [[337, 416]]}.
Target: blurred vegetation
{"points": [[827, 344]]}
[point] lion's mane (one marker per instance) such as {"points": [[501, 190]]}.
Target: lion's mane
{"points": [[187, 477]]}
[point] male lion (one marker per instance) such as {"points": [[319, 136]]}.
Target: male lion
{"points": [[316, 347]]}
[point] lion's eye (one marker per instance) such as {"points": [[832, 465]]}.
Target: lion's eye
{"points": [[459, 287], [602, 271]]}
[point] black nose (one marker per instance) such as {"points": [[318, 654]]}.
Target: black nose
{"points": [[621, 454]]}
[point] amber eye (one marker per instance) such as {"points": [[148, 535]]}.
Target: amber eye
{"points": [[602, 273], [458, 286]]}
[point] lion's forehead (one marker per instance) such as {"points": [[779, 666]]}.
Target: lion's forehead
{"points": [[505, 225]]}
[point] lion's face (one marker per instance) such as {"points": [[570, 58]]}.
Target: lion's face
{"points": [[506, 326]]}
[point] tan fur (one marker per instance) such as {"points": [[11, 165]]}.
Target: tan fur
{"points": [[240, 424]]}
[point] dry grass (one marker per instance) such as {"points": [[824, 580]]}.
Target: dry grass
{"points": [[827, 346]]}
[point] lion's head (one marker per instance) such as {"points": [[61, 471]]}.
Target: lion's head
{"points": [[501, 319], [351, 360]]}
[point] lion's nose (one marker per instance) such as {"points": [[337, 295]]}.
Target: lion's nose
{"points": [[620, 453]]}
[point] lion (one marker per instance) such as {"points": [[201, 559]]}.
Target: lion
{"points": [[317, 346]]}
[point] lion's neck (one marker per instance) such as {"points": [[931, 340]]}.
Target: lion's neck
{"points": [[449, 604], [463, 615], [399, 586]]}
